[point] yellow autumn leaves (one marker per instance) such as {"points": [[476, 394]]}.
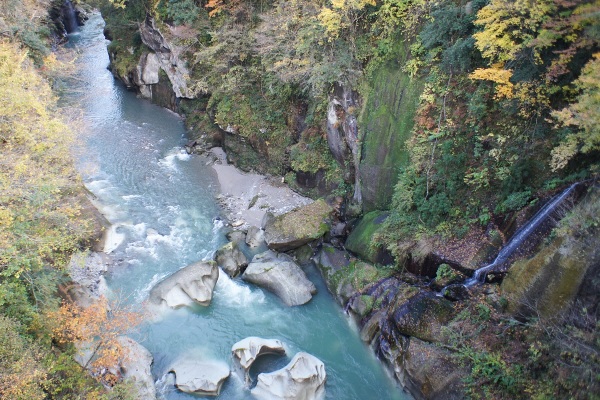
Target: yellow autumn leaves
{"points": [[39, 209], [341, 15], [96, 330]]}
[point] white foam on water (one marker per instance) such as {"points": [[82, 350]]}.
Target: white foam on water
{"points": [[179, 235], [165, 385], [234, 294], [140, 248], [131, 197], [183, 155], [174, 155], [142, 293], [168, 162], [98, 185], [218, 224], [139, 229]]}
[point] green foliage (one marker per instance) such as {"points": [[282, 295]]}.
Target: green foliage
{"points": [[583, 115], [525, 359], [444, 271], [514, 201], [494, 371], [359, 274], [482, 140], [182, 12], [311, 154]]}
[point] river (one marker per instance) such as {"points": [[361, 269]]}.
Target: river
{"points": [[161, 203]]}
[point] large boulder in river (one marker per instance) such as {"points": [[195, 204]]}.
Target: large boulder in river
{"points": [[231, 259], [279, 274], [297, 227], [199, 377], [192, 284], [302, 379], [247, 350]]}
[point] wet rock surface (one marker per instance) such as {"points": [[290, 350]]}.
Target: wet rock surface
{"points": [[302, 379], [231, 259], [246, 351], [298, 227], [192, 284], [279, 274], [203, 378]]}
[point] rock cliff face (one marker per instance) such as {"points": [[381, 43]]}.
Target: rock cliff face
{"points": [[156, 67], [548, 282], [386, 121], [342, 134], [169, 57]]}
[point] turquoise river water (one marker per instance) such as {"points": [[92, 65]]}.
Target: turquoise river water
{"points": [[161, 203]]}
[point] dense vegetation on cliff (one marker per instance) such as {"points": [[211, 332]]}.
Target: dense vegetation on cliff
{"points": [[44, 213], [506, 98], [467, 113]]}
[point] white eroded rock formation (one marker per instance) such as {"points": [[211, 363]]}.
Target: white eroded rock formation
{"points": [[194, 283], [279, 274], [199, 377], [302, 379], [247, 350]]}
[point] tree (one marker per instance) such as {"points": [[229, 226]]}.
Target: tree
{"points": [[583, 116], [342, 15], [96, 331], [118, 3], [508, 27]]}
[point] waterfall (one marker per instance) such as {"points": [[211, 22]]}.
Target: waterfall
{"points": [[520, 236], [69, 17]]}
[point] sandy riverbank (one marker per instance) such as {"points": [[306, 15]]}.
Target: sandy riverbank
{"points": [[246, 197]]}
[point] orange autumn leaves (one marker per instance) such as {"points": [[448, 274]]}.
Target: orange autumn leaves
{"points": [[96, 331]]}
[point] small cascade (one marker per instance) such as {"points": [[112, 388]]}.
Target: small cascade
{"points": [[69, 17], [521, 235]]}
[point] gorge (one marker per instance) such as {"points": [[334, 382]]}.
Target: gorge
{"points": [[244, 165], [161, 204]]}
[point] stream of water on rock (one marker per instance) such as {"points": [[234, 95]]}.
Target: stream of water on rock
{"points": [[161, 204]]}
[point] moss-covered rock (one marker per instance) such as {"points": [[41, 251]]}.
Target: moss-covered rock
{"points": [[360, 240], [423, 315], [547, 283], [330, 260], [297, 227], [445, 276], [385, 124], [362, 305], [354, 278]]}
